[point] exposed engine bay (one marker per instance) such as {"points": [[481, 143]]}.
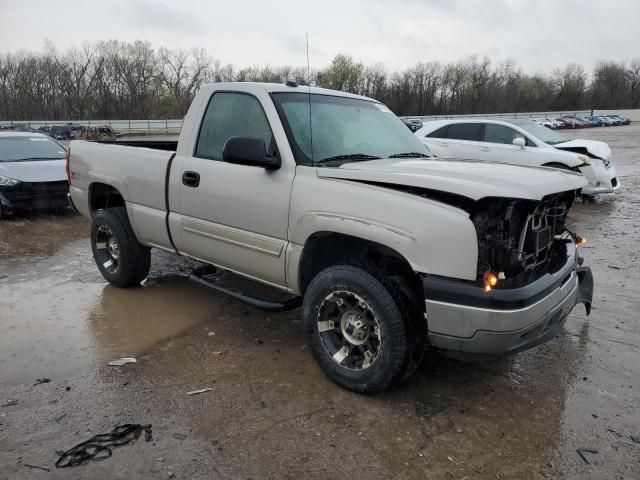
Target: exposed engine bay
{"points": [[519, 238]]}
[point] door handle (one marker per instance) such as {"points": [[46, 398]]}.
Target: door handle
{"points": [[443, 144], [191, 179], [485, 149]]}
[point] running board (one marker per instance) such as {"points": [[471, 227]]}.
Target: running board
{"points": [[203, 276]]}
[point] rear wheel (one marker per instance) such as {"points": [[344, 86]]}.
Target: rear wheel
{"points": [[122, 261], [358, 329]]}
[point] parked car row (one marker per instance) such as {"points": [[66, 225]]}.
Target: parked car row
{"points": [[581, 121]]}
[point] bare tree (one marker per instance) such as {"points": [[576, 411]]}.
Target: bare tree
{"points": [[124, 80]]}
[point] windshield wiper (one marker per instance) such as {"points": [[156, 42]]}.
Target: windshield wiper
{"points": [[28, 159], [410, 155], [352, 156]]}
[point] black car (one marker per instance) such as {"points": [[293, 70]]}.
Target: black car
{"points": [[60, 132]]}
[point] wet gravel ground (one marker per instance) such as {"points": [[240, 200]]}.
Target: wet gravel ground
{"points": [[270, 413]]}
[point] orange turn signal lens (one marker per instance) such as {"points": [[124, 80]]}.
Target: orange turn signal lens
{"points": [[490, 280], [580, 240]]}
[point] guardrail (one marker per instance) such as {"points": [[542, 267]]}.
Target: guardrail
{"points": [[130, 127], [173, 126], [504, 115], [634, 115]]}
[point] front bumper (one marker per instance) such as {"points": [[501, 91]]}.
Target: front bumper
{"points": [[34, 196], [468, 323], [601, 179]]}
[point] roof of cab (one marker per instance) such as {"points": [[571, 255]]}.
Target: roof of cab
{"points": [[281, 87]]}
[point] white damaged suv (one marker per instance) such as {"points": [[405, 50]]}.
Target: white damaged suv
{"points": [[521, 142]]}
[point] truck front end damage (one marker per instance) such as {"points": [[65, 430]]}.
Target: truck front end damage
{"points": [[529, 278]]}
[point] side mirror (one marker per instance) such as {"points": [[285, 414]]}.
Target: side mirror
{"points": [[249, 151], [519, 141]]}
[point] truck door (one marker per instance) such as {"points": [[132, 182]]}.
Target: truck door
{"points": [[234, 216]]}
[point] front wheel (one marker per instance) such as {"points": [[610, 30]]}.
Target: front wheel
{"points": [[122, 261], [358, 330]]}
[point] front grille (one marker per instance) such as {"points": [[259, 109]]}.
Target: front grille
{"points": [[37, 194], [517, 236]]}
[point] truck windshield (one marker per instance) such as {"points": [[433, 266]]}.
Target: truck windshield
{"points": [[23, 148], [328, 129]]}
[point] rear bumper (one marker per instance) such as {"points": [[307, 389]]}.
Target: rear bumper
{"points": [[72, 205], [477, 328]]}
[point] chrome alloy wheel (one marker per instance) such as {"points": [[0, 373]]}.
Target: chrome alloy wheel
{"points": [[107, 249], [349, 331]]}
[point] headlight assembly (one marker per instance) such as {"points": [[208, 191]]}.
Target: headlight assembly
{"points": [[8, 182]]}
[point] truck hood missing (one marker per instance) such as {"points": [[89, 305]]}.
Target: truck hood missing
{"points": [[468, 178], [591, 148]]}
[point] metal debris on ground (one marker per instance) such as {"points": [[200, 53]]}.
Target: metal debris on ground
{"points": [[635, 438], [582, 451], [122, 361], [99, 446], [40, 381], [202, 390], [179, 436], [10, 403]]}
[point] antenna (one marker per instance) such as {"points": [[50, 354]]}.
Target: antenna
{"points": [[309, 98], [308, 69]]}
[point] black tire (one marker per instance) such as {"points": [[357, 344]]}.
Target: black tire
{"points": [[394, 334], [131, 262]]}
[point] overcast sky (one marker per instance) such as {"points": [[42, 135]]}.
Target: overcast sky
{"points": [[539, 35]]}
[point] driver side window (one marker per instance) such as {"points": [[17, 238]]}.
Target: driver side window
{"points": [[231, 115]]}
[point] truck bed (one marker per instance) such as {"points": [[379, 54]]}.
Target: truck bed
{"points": [[168, 145], [138, 171]]}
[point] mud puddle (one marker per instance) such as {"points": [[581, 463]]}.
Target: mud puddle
{"points": [[58, 316]]}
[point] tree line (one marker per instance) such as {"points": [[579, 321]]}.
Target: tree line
{"points": [[121, 80]]}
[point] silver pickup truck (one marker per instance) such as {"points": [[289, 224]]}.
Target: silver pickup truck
{"points": [[330, 201]]}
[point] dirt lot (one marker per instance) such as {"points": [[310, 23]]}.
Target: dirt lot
{"points": [[271, 413]]}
